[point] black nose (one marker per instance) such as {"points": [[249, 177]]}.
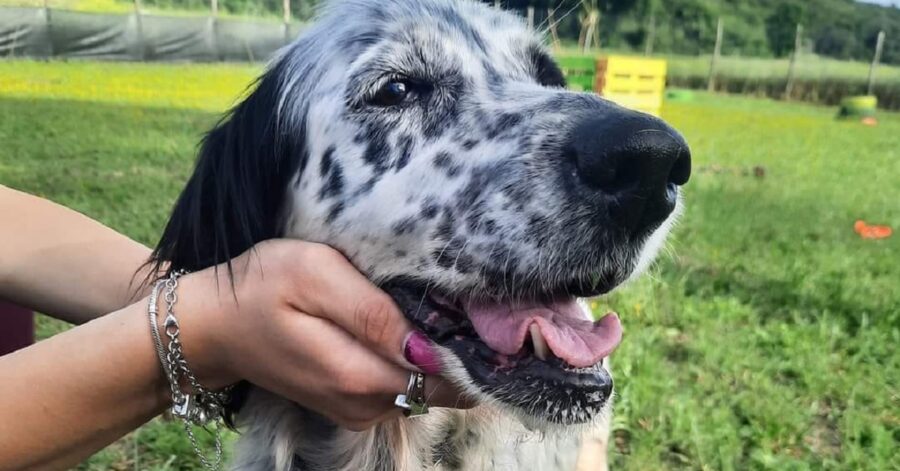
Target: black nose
{"points": [[637, 161]]}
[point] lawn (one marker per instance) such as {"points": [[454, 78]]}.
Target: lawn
{"points": [[818, 79], [809, 66], [766, 337]]}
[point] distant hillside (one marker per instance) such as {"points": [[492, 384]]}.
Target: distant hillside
{"points": [[843, 29]]}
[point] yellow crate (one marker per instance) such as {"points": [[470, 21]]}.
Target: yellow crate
{"points": [[632, 82]]}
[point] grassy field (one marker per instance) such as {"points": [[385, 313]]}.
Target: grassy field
{"points": [[817, 79], [766, 338], [809, 66]]}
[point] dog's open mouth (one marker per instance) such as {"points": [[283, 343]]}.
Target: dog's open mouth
{"points": [[544, 356], [558, 328]]}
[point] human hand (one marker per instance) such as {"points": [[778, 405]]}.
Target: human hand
{"points": [[303, 323]]}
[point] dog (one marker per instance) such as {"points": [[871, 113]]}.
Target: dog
{"points": [[433, 142]]}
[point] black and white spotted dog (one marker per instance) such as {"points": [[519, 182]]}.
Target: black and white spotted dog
{"points": [[434, 144]]}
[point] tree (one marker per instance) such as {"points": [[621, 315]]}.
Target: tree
{"points": [[837, 42], [781, 26]]}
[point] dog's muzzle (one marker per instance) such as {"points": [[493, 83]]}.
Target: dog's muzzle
{"points": [[630, 164]]}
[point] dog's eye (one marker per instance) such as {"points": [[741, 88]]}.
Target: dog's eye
{"points": [[393, 93]]}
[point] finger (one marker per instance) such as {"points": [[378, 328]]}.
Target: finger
{"points": [[438, 393], [358, 306], [338, 376], [342, 361]]}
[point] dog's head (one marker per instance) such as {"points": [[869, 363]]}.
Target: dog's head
{"points": [[434, 143]]}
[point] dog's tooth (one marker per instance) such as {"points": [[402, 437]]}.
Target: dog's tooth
{"points": [[540, 344]]}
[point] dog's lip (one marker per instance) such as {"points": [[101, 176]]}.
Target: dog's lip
{"points": [[539, 381], [445, 321]]}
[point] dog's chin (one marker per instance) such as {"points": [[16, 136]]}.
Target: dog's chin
{"points": [[544, 391]]}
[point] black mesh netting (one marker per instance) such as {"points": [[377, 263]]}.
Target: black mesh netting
{"points": [[40, 33]]}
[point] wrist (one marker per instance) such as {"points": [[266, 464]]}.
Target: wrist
{"points": [[199, 320]]}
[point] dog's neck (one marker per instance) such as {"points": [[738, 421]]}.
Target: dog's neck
{"points": [[281, 436]]}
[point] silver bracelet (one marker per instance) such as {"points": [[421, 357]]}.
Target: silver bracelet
{"points": [[200, 406], [153, 313]]}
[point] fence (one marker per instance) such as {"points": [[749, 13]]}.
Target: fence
{"points": [[51, 33], [138, 36]]}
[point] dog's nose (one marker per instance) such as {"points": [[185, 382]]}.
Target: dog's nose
{"points": [[637, 161]]}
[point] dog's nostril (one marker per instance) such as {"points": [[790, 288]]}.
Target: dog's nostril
{"points": [[637, 161], [681, 169], [647, 160]]}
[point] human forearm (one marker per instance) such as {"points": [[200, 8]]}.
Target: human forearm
{"points": [[301, 322], [63, 263], [74, 393], [67, 397]]}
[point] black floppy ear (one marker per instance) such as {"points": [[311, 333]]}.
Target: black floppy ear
{"points": [[236, 195]]}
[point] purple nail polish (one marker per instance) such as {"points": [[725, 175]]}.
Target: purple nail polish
{"points": [[420, 352]]}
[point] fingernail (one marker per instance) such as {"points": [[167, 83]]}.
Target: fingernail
{"points": [[420, 352]]}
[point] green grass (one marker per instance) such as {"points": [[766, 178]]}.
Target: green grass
{"points": [[809, 66], [817, 79], [766, 338], [92, 6]]}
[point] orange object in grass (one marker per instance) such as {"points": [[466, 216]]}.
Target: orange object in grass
{"points": [[872, 232], [870, 121]]}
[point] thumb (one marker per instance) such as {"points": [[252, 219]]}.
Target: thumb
{"points": [[378, 323]]}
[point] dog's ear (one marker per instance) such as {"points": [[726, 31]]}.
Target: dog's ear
{"points": [[236, 195]]}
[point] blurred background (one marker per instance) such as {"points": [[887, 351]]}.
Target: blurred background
{"points": [[765, 338]]}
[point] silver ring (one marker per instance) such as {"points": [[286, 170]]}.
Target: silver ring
{"points": [[413, 402]]}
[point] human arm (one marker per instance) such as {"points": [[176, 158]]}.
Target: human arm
{"points": [[63, 263], [301, 322]]}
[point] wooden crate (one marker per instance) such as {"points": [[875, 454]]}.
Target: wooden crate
{"points": [[633, 82], [580, 71]]}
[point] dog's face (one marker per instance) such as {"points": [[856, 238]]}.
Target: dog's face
{"points": [[434, 144]]}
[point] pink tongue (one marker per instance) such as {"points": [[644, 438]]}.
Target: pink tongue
{"points": [[570, 335]]}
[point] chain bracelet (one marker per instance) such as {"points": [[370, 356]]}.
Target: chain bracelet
{"points": [[200, 406]]}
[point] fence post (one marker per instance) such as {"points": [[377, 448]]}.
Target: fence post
{"points": [[798, 44], [530, 17], [879, 45], [139, 25], [48, 23], [213, 29], [651, 35], [286, 7], [714, 62]]}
